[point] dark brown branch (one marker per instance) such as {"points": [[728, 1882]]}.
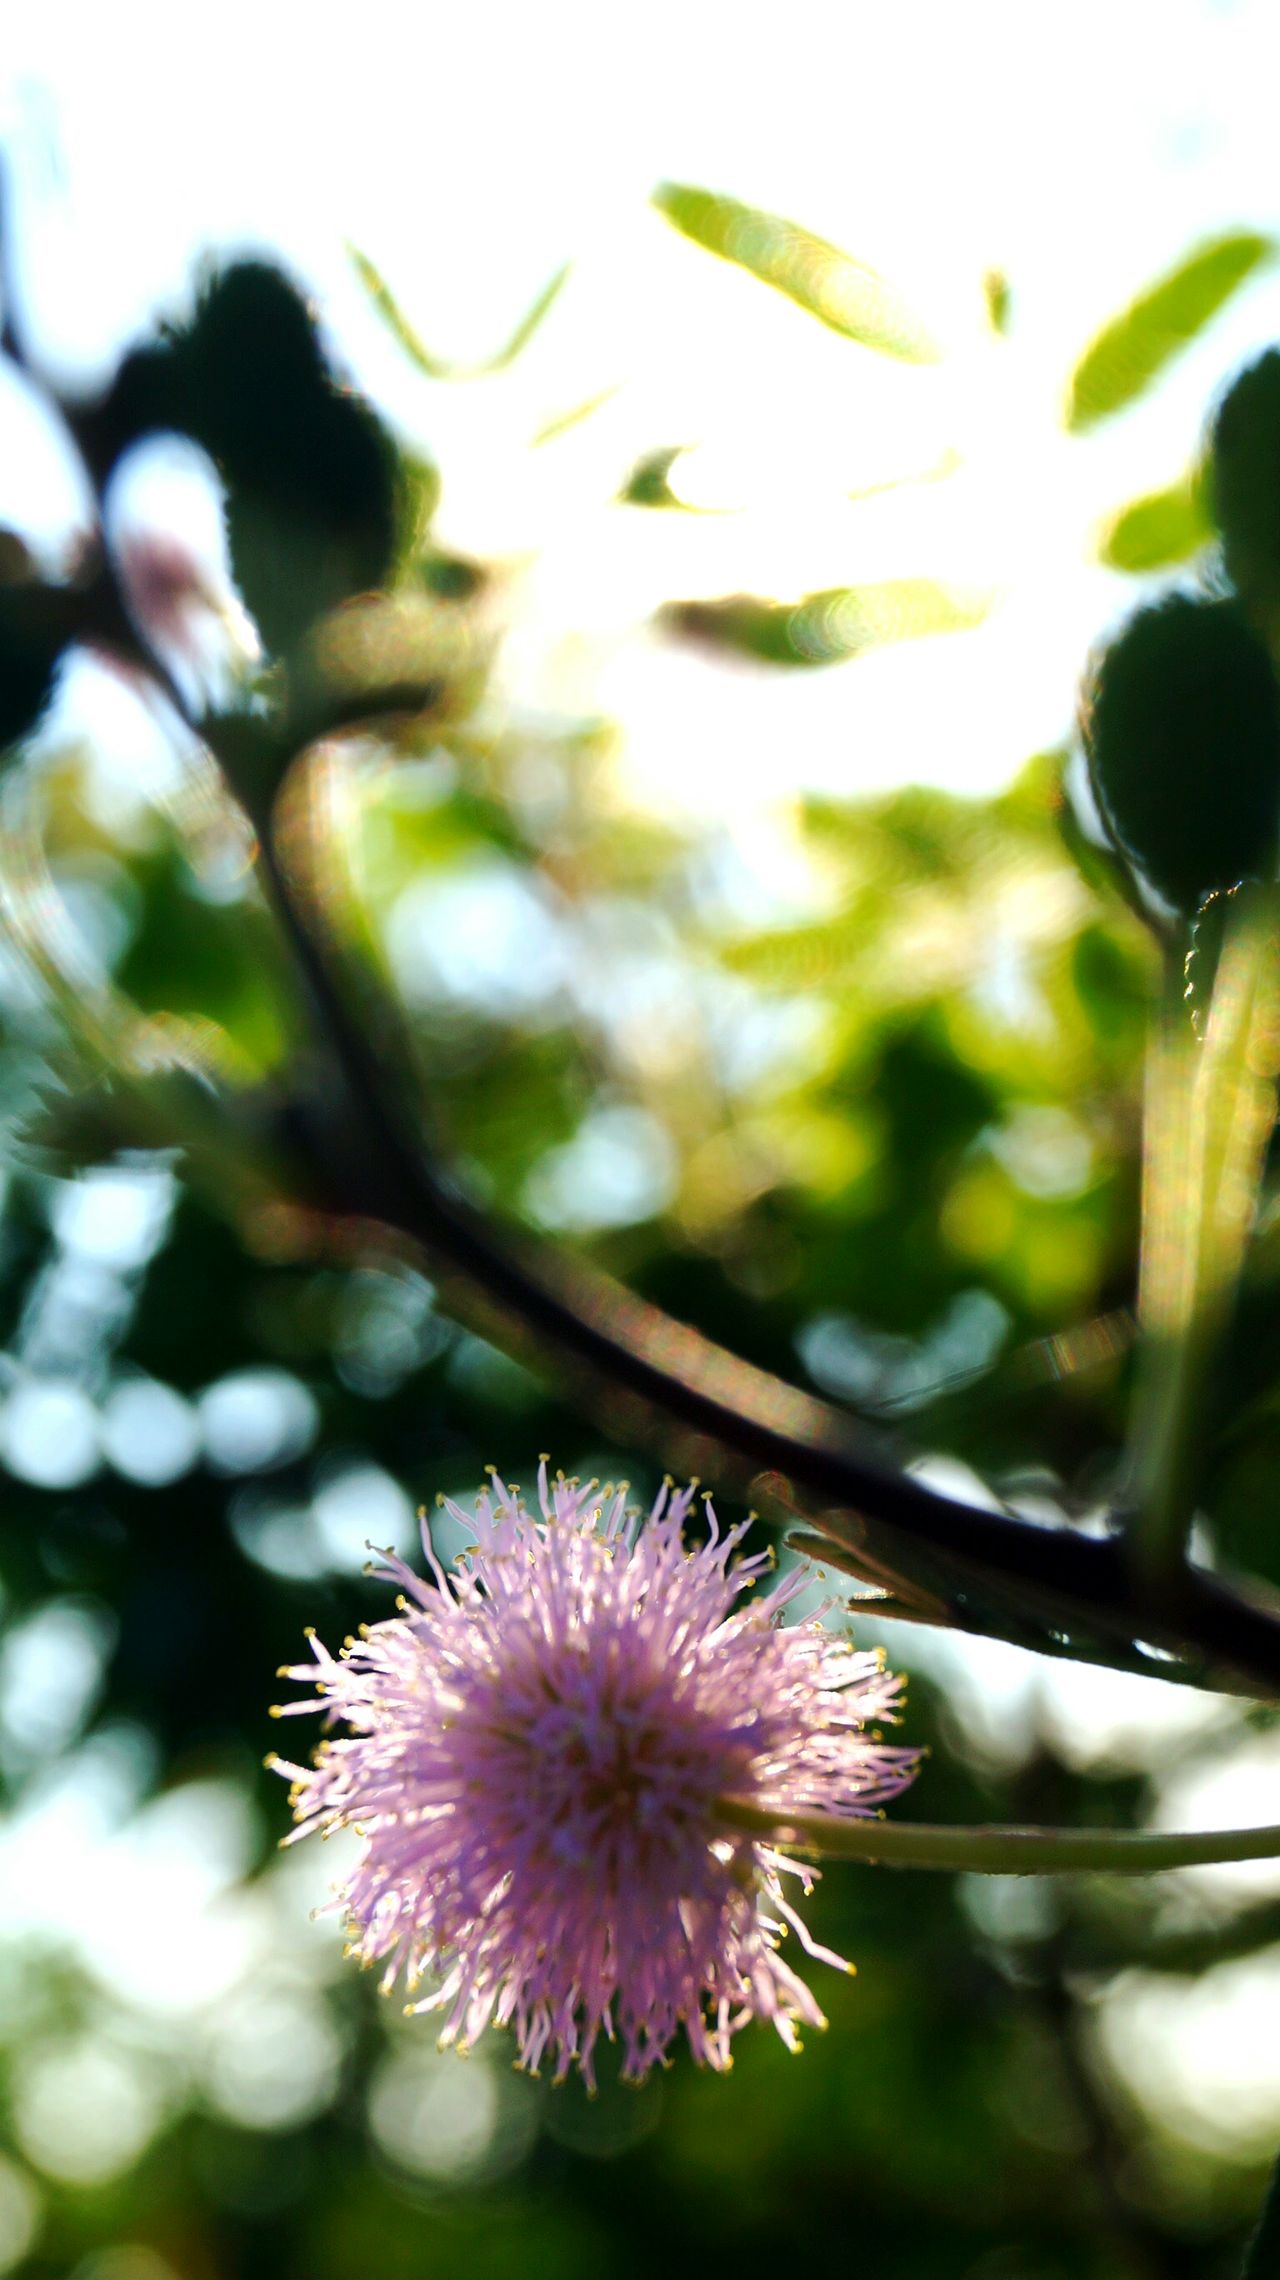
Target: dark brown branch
{"points": [[747, 1420]]}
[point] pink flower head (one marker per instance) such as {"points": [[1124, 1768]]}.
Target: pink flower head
{"points": [[536, 1752]]}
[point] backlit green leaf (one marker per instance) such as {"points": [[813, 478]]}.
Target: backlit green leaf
{"points": [[1157, 530], [648, 484], [440, 367], [561, 423], [831, 285], [826, 627], [995, 288], [1131, 352]]}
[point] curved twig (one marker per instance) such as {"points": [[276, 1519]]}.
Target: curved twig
{"points": [[987, 1570]]}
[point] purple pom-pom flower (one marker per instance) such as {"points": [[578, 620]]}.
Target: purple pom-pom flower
{"points": [[538, 1753]]}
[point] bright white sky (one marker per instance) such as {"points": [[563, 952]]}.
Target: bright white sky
{"points": [[470, 151]]}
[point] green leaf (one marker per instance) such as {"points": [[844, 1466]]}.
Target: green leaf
{"points": [[451, 577], [415, 348], [999, 300], [418, 496], [648, 484], [561, 423], [1131, 352], [825, 628], [1157, 530], [831, 285]]}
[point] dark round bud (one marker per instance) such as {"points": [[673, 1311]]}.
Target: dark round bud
{"points": [[1182, 729], [1244, 482]]}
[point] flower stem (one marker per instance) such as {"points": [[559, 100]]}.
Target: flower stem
{"points": [[1000, 1851], [1262, 2259], [1210, 1111]]}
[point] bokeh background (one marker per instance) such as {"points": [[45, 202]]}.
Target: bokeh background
{"points": [[747, 946]]}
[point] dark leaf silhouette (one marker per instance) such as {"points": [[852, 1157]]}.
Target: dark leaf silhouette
{"points": [[312, 482]]}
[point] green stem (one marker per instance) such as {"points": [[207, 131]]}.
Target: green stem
{"points": [[1262, 2258], [1000, 1851], [1209, 1113], [440, 367]]}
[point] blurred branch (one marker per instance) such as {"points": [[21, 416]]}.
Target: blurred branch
{"points": [[1106, 1945], [841, 292], [1140, 2249]]}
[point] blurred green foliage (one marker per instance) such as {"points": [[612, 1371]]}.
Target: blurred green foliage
{"points": [[824, 628], [884, 1141]]}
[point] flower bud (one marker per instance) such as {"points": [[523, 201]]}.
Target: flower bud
{"points": [[1181, 722]]}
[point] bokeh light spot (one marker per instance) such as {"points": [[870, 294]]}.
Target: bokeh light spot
{"points": [[446, 2119], [49, 1433], [149, 1433], [272, 2059], [256, 1419], [19, 2214], [83, 2110]]}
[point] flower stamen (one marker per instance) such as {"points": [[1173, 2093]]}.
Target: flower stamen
{"points": [[536, 1750]]}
